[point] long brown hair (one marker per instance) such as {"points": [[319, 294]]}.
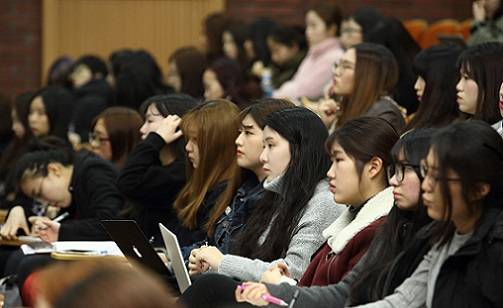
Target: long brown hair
{"points": [[259, 110], [376, 73], [216, 123]]}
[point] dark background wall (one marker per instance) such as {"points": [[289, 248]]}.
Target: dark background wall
{"points": [[20, 28], [292, 11], [20, 45]]}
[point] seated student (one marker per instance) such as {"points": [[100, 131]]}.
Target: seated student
{"points": [[115, 132], [286, 224], [322, 25], [210, 130], [185, 71], [499, 125], [50, 111], [210, 40], [481, 74], [240, 199], [392, 34], [99, 283], [462, 191], [437, 75], [394, 252], [81, 184], [92, 92], [364, 78], [223, 79], [154, 172], [235, 34], [287, 53], [360, 152], [21, 136]]}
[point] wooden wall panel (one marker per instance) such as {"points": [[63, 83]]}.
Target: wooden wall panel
{"points": [[77, 27]]}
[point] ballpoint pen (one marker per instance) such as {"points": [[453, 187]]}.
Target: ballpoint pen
{"points": [[268, 298]]}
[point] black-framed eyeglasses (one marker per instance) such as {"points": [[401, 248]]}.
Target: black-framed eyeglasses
{"points": [[428, 172], [96, 140], [398, 170]]}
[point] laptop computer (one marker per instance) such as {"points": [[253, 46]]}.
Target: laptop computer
{"points": [[175, 257], [134, 245]]}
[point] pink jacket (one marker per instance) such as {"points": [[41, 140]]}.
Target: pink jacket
{"points": [[314, 72]]}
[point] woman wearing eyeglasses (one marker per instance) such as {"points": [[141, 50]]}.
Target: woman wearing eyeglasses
{"points": [[363, 80], [394, 252], [115, 133]]}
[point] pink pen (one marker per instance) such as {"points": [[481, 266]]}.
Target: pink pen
{"points": [[274, 300], [268, 298]]}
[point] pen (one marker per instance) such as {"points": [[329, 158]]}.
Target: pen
{"points": [[57, 219], [295, 295], [61, 217], [268, 298]]}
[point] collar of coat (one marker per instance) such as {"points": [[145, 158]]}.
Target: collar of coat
{"points": [[344, 228]]}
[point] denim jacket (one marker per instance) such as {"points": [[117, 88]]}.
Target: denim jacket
{"points": [[233, 219]]}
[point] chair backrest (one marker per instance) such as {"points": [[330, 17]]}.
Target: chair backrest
{"points": [[416, 28], [441, 27]]}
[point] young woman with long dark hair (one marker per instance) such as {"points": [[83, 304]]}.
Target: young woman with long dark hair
{"points": [[364, 78], [437, 75], [481, 74], [50, 112]]}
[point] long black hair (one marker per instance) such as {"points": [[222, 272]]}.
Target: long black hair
{"points": [[59, 105], [41, 153], [483, 64], [139, 77], [437, 66], [309, 163], [397, 232], [474, 151]]}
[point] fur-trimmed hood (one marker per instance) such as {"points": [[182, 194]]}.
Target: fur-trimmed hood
{"points": [[344, 228]]}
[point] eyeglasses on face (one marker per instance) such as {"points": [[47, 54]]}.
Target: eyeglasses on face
{"points": [[398, 170], [96, 140], [430, 173]]}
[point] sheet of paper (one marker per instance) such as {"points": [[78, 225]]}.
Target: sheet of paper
{"points": [[106, 248]]}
